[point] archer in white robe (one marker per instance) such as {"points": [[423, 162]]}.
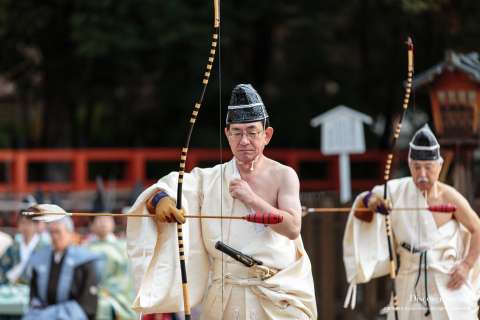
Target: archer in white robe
{"points": [[154, 256], [365, 254]]}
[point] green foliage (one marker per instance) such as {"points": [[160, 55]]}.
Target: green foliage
{"points": [[127, 72], [419, 6]]}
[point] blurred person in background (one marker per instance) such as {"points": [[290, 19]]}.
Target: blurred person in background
{"points": [[40, 226], [26, 242], [438, 274], [42, 230], [64, 277], [14, 289], [5, 311], [116, 287], [5, 243]]}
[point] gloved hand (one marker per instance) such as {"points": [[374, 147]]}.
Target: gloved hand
{"points": [[166, 211], [374, 203], [377, 204]]}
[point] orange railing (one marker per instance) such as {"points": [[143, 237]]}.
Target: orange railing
{"points": [[23, 169]]}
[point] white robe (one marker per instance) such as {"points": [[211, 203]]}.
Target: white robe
{"points": [[154, 256], [5, 242], [365, 255]]}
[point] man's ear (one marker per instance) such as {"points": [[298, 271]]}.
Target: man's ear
{"points": [[226, 131], [268, 134]]}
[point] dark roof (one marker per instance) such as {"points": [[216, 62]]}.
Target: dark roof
{"points": [[467, 63]]}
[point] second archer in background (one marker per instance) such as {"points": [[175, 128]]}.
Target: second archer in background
{"points": [[438, 252]]}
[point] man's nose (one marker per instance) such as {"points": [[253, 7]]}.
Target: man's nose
{"points": [[244, 139]]}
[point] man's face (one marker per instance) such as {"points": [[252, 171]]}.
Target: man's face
{"points": [[247, 140], [61, 237], [425, 173], [103, 226], [26, 227], [41, 226]]}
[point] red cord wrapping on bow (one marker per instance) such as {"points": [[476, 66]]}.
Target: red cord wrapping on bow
{"points": [[443, 208], [264, 218]]}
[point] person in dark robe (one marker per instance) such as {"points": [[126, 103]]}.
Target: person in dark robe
{"points": [[64, 277], [14, 285]]}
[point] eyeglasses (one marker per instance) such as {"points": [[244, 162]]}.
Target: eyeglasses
{"points": [[251, 135]]}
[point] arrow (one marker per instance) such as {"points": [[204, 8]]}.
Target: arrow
{"points": [[440, 208], [257, 217]]}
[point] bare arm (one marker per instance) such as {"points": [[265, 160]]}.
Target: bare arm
{"points": [[468, 218], [289, 206]]}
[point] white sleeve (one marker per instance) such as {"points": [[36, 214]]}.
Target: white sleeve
{"points": [[154, 255], [365, 249]]}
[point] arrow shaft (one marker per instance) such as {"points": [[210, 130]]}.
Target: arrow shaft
{"points": [[348, 209], [120, 215], [201, 216], [439, 208]]}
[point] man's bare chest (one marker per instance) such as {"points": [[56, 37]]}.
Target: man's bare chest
{"points": [[265, 188], [440, 218]]}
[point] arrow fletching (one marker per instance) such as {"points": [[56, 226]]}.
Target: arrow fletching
{"points": [[44, 217], [46, 212]]}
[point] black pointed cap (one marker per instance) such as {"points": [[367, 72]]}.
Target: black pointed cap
{"points": [[424, 145], [245, 105]]}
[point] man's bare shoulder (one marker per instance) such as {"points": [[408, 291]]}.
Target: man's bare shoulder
{"points": [[279, 168], [451, 195], [464, 213], [449, 192]]}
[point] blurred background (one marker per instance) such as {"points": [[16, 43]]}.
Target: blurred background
{"points": [[95, 96]]}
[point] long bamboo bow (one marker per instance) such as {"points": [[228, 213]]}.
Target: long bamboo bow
{"points": [[183, 156], [388, 166]]}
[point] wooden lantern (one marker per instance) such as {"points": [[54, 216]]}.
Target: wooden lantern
{"points": [[454, 90]]}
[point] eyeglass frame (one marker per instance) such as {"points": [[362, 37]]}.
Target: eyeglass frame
{"points": [[251, 136]]}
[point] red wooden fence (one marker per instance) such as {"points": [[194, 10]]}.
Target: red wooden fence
{"points": [[317, 172]]}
